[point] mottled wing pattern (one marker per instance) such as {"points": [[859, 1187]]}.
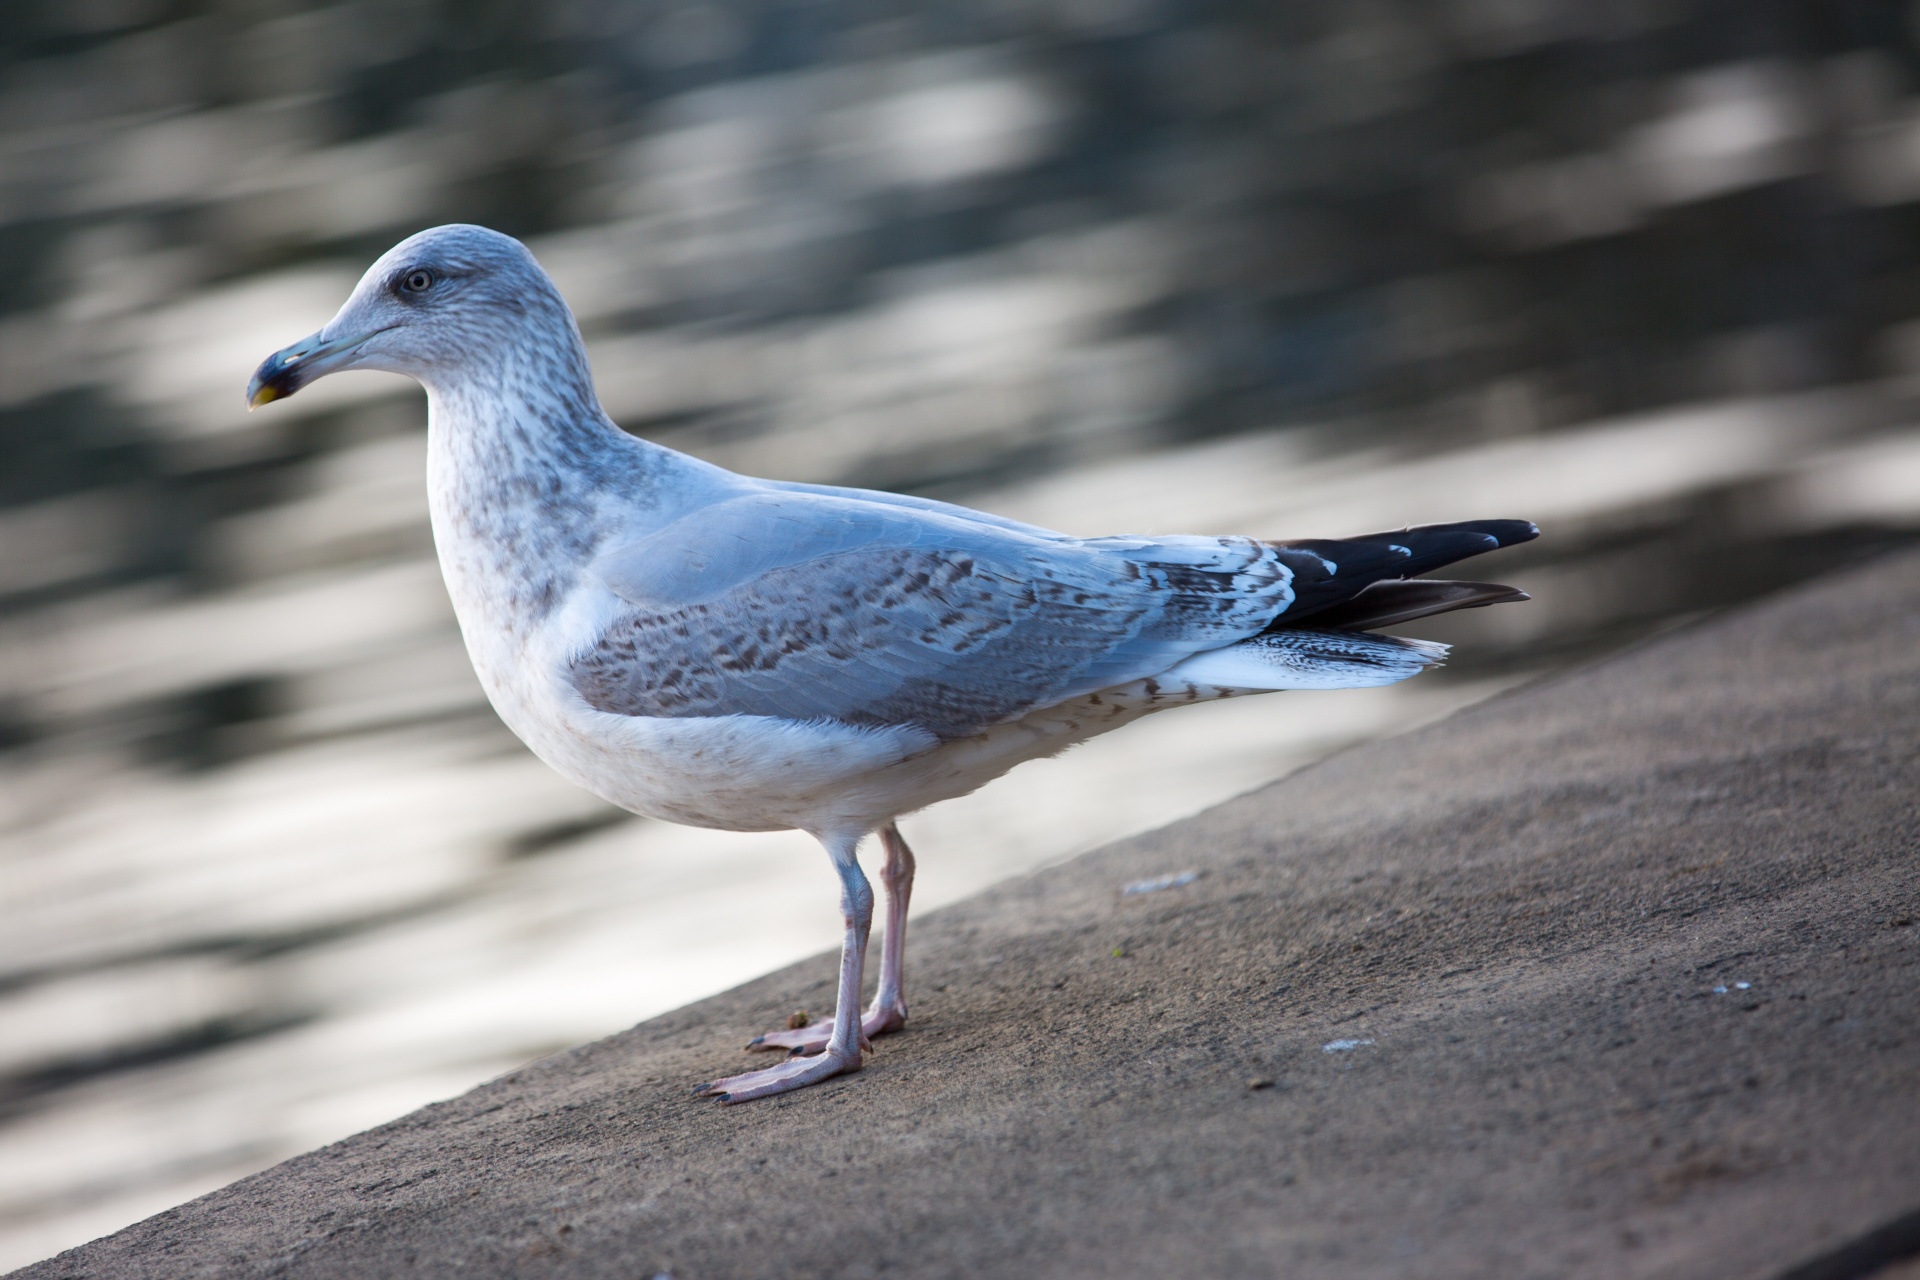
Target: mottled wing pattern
{"points": [[809, 606]]}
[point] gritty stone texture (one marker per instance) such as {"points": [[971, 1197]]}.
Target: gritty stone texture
{"points": [[1518, 919]]}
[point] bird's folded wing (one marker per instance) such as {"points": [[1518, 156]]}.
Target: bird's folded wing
{"points": [[825, 605]]}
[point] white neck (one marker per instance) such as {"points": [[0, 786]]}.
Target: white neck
{"points": [[523, 473]]}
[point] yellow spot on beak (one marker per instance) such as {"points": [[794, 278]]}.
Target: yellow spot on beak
{"points": [[267, 394]]}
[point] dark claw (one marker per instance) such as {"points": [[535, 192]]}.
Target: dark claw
{"points": [[756, 1042], [702, 1088], [724, 1097]]}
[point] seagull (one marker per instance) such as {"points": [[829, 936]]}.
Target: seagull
{"points": [[755, 655]]}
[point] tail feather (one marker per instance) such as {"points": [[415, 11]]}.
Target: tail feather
{"points": [[1301, 658]]}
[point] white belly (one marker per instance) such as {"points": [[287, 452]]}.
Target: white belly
{"points": [[738, 773]]}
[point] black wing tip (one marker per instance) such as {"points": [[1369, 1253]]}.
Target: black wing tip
{"points": [[1328, 571], [1490, 534], [1499, 533], [1508, 533]]}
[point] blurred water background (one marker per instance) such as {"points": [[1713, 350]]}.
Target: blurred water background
{"points": [[1645, 271]]}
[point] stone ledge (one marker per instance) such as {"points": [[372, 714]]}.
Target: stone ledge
{"points": [[1465, 1003]]}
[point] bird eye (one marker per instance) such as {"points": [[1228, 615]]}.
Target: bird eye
{"points": [[418, 280]]}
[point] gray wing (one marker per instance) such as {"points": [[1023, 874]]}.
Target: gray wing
{"points": [[908, 501], [810, 605]]}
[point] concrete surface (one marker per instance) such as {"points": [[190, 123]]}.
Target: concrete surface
{"points": [[1626, 968]]}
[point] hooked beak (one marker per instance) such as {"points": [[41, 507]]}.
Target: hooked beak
{"points": [[291, 368]]}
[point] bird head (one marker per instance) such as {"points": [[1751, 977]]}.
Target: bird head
{"points": [[437, 305]]}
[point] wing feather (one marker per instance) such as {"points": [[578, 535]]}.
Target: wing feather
{"points": [[822, 604]]}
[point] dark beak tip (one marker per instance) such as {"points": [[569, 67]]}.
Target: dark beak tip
{"points": [[289, 369], [270, 382], [262, 393]]}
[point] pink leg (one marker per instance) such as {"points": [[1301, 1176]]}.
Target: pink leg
{"points": [[889, 1009], [842, 1050], [888, 1012]]}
